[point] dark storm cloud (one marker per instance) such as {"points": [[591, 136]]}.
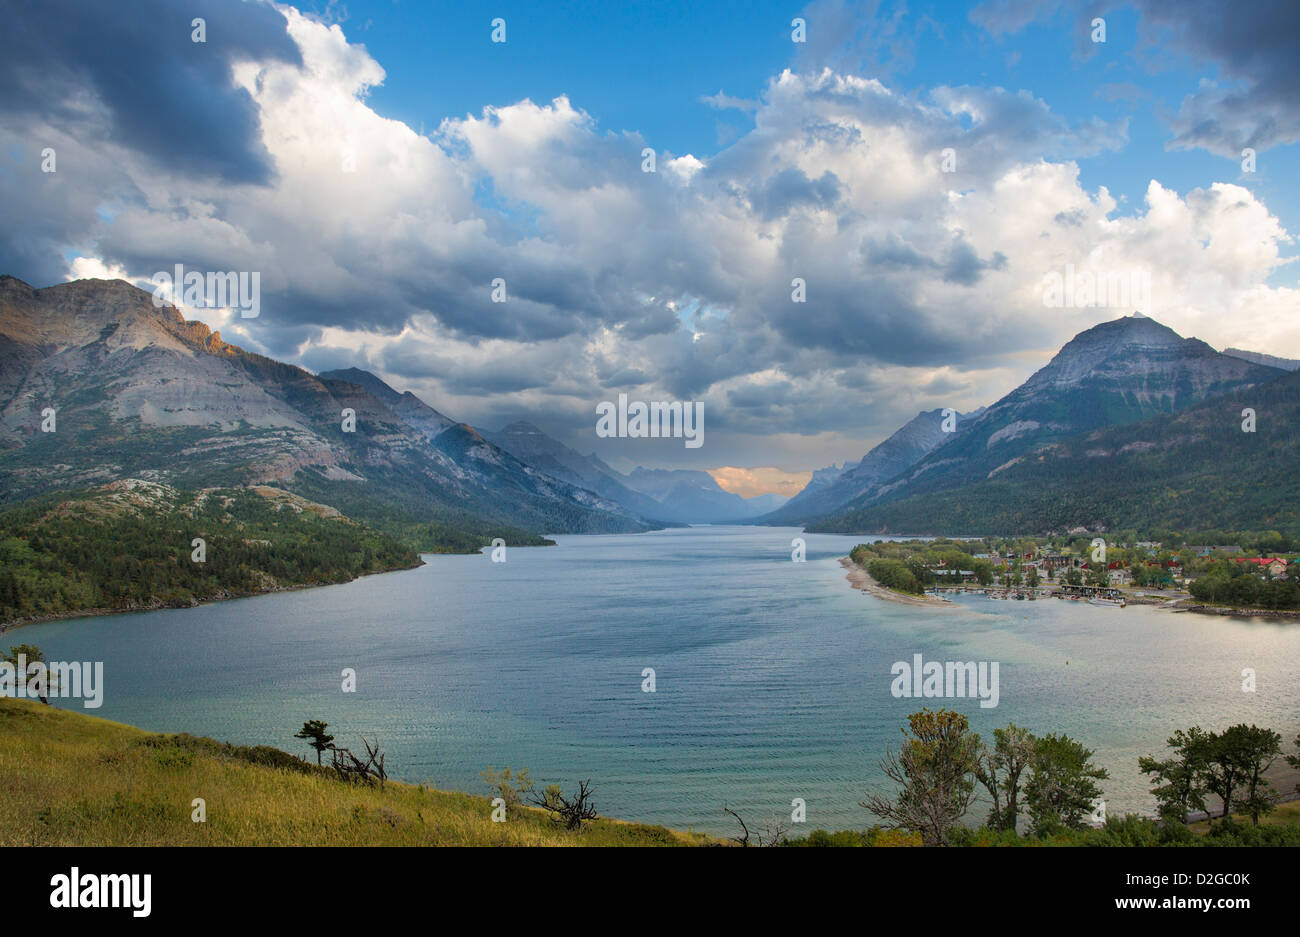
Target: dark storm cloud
{"points": [[964, 266], [1253, 47], [961, 265], [791, 188], [505, 373], [893, 253], [151, 88], [625, 377], [761, 398], [1256, 47], [872, 317]]}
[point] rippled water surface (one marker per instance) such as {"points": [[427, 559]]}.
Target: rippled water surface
{"points": [[773, 677]]}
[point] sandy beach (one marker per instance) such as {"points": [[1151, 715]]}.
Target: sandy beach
{"points": [[859, 578]]}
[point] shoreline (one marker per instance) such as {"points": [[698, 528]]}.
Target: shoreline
{"points": [[15, 624], [1284, 614], [859, 578]]}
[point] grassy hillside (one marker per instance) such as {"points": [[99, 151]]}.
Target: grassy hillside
{"points": [[70, 779], [415, 517], [129, 545]]}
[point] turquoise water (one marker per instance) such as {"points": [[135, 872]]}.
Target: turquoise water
{"points": [[772, 677]]}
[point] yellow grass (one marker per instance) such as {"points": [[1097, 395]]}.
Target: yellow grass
{"points": [[71, 779], [1285, 814]]}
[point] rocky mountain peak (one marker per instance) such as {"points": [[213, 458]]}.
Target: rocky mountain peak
{"points": [[112, 312], [1129, 340], [370, 382], [12, 286]]}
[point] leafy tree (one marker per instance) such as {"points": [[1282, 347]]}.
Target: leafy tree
{"points": [[1225, 767], [32, 654], [935, 770], [509, 787], [1098, 577], [76, 551], [894, 574], [1294, 760], [1000, 769], [1182, 778], [1255, 750], [315, 735], [1063, 788]]}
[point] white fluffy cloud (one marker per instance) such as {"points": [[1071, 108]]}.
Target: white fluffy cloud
{"points": [[378, 246]]}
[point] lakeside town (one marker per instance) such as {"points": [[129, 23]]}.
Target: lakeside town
{"points": [[1258, 576]]}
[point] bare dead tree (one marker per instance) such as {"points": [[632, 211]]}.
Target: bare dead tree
{"points": [[569, 811], [743, 839], [770, 834], [352, 769], [773, 832]]}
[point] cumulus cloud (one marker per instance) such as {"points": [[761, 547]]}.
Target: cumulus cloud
{"points": [[379, 246], [84, 67]]}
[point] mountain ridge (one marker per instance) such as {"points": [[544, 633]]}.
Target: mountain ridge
{"points": [[138, 390], [1127, 372], [1189, 471], [1121, 371], [828, 490]]}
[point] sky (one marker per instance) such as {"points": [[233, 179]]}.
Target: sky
{"points": [[919, 168]]}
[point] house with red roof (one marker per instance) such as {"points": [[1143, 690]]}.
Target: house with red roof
{"points": [[1276, 566]]}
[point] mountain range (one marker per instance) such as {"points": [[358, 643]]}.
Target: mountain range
{"points": [[137, 391], [677, 496], [1195, 470], [1112, 389], [834, 486], [98, 384]]}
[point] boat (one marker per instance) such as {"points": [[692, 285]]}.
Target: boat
{"points": [[1108, 603]]}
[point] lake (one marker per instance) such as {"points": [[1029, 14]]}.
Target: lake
{"points": [[772, 678]]}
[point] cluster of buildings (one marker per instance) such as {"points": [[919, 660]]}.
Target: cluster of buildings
{"points": [[1275, 566], [1053, 564]]}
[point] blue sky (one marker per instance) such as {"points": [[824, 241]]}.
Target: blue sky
{"points": [[382, 163], [647, 67]]}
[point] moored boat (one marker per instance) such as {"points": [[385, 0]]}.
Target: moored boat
{"points": [[1109, 603]]}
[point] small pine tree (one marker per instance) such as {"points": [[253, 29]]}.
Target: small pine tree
{"points": [[314, 733]]}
